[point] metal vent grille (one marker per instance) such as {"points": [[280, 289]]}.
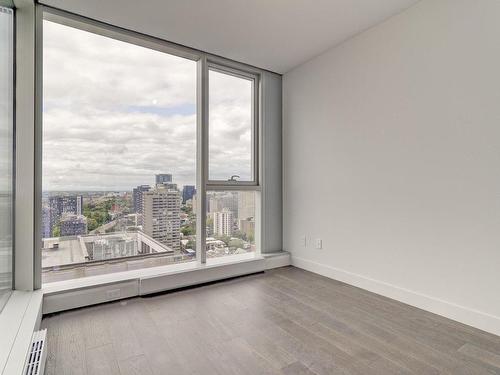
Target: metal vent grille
{"points": [[35, 362]]}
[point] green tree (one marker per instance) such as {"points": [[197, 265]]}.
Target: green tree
{"points": [[56, 230], [188, 230], [240, 234], [98, 214], [91, 224], [224, 239], [236, 243]]}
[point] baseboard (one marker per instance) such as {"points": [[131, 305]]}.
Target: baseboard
{"points": [[465, 315]]}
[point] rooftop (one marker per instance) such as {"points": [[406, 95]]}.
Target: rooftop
{"points": [[64, 251]]}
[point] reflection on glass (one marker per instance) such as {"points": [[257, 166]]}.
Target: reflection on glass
{"points": [[119, 155], [230, 127], [230, 223], [6, 152]]}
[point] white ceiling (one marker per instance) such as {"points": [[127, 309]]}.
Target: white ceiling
{"points": [[272, 34]]}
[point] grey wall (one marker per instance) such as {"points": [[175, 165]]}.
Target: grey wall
{"points": [[271, 173], [392, 158]]}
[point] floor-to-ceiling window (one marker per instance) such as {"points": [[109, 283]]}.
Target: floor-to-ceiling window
{"points": [[6, 151], [120, 146], [119, 154]]}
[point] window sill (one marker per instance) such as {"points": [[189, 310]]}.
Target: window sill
{"points": [[19, 319], [98, 280]]}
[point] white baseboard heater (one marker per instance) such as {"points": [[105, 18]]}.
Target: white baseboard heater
{"points": [[37, 355], [160, 283], [100, 291]]}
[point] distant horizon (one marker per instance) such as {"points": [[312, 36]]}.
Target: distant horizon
{"points": [[101, 190]]}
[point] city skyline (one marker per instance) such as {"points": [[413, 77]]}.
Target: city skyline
{"points": [[127, 190], [74, 227]]}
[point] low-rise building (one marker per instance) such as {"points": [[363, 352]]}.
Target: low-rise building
{"points": [[73, 225]]}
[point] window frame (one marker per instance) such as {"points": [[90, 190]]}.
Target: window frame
{"points": [[12, 123], [205, 62], [255, 79]]}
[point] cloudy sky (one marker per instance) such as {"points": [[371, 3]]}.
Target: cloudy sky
{"points": [[115, 114]]}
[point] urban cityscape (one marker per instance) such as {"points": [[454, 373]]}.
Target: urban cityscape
{"points": [[147, 226]]}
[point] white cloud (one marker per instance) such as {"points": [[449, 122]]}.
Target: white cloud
{"points": [[115, 114], [230, 126]]}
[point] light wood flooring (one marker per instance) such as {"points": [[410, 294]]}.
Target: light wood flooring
{"points": [[283, 321]]}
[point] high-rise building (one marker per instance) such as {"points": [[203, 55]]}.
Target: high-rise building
{"points": [[230, 201], [168, 185], [67, 203], [188, 191], [73, 225], [218, 201], [194, 203], [46, 229], [137, 197], [247, 226], [214, 204], [246, 204], [223, 222], [61, 204], [161, 215], [163, 178]]}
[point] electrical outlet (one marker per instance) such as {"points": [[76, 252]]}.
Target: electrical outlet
{"points": [[319, 243], [303, 241], [113, 294]]}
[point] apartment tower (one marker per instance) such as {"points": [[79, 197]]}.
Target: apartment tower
{"points": [[161, 215], [223, 222]]}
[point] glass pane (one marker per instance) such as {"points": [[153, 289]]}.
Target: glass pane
{"points": [[230, 127], [119, 155], [230, 223], [6, 152]]}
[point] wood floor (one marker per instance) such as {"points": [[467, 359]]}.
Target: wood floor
{"points": [[285, 321]]}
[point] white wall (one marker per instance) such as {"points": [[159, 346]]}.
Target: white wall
{"points": [[392, 157]]}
